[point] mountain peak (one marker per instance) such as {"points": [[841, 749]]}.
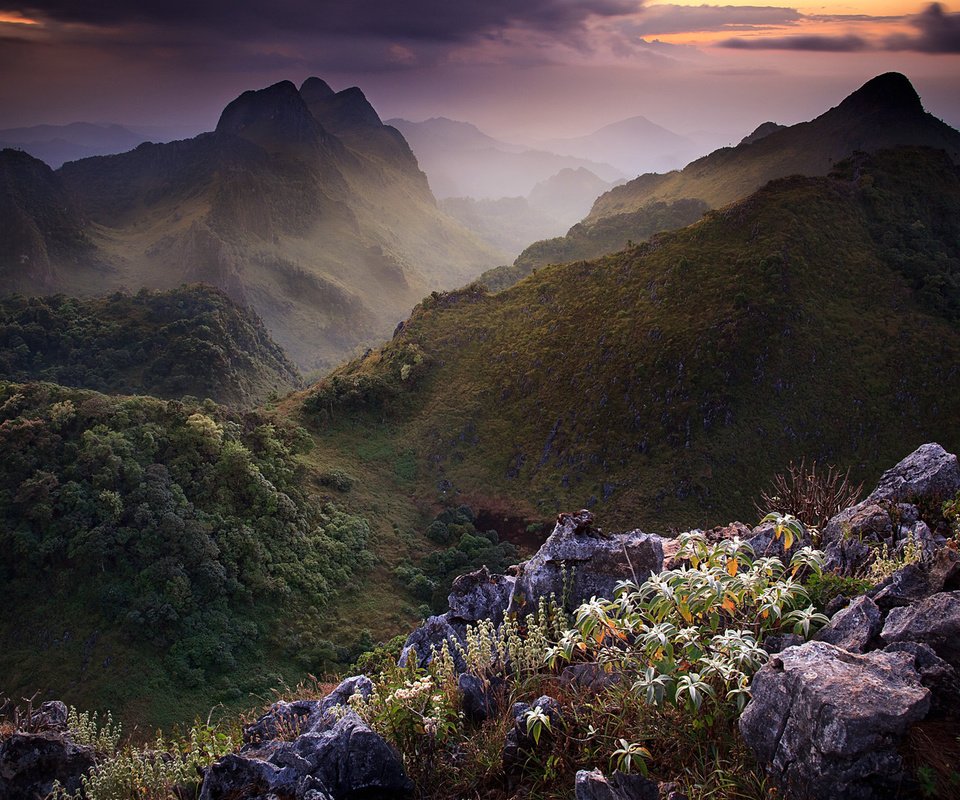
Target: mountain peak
{"points": [[314, 90], [273, 117], [762, 132], [891, 90], [344, 112]]}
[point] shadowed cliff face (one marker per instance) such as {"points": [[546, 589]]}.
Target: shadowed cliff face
{"points": [[302, 205], [39, 226]]}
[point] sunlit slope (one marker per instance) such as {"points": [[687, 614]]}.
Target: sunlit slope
{"points": [[668, 382]]}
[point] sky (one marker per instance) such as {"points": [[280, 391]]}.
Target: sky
{"points": [[523, 70]]}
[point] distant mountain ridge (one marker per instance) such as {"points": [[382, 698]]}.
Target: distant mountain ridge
{"points": [[301, 204], [57, 144], [511, 223], [885, 112], [462, 161], [634, 145]]}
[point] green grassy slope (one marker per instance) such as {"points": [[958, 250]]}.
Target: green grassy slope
{"points": [[189, 341], [667, 383]]}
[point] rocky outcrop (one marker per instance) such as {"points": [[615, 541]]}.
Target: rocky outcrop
{"points": [[347, 761], [578, 562], [287, 720], [937, 675], [826, 723], [479, 697], [929, 473], [30, 764], [480, 595], [855, 627], [429, 639], [934, 622], [594, 785], [892, 513], [308, 750]]}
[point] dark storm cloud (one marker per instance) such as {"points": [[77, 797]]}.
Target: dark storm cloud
{"points": [[823, 44], [666, 19], [432, 20], [937, 32]]}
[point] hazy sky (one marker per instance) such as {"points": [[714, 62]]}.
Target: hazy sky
{"points": [[521, 69]]}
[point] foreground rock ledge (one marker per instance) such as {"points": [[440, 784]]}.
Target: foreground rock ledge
{"points": [[826, 723]]}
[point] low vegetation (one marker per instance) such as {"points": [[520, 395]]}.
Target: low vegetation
{"points": [[207, 550]]}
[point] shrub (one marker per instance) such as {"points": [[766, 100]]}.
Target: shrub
{"points": [[813, 496]]}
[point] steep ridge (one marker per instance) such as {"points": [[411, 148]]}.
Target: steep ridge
{"points": [[39, 228], [885, 112], [189, 341], [329, 237], [667, 383]]}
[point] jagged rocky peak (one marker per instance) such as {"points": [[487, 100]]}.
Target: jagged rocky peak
{"points": [[342, 112], [890, 91], [273, 118], [314, 90], [762, 132]]}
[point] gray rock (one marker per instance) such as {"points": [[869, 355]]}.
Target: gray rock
{"points": [[906, 586], [51, 716], [826, 723], [518, 741], [778, 642], [347, 688], [282, 720], [588, 677], [429, 638], [934, 621], [848, 557], [287, 720], [937, 675], [30, 763], [929, 473], [479, 696], [236, 776], [594, 785], [577, 563], [480, 595], [868, 520], [855, 627], [890, 514], [765, 544], [915, 582], [347, 761]]}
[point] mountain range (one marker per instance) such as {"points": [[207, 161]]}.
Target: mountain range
{"points": [[511, 223], [885, 112], [634, 146], [301, 205], [462, 161]]}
